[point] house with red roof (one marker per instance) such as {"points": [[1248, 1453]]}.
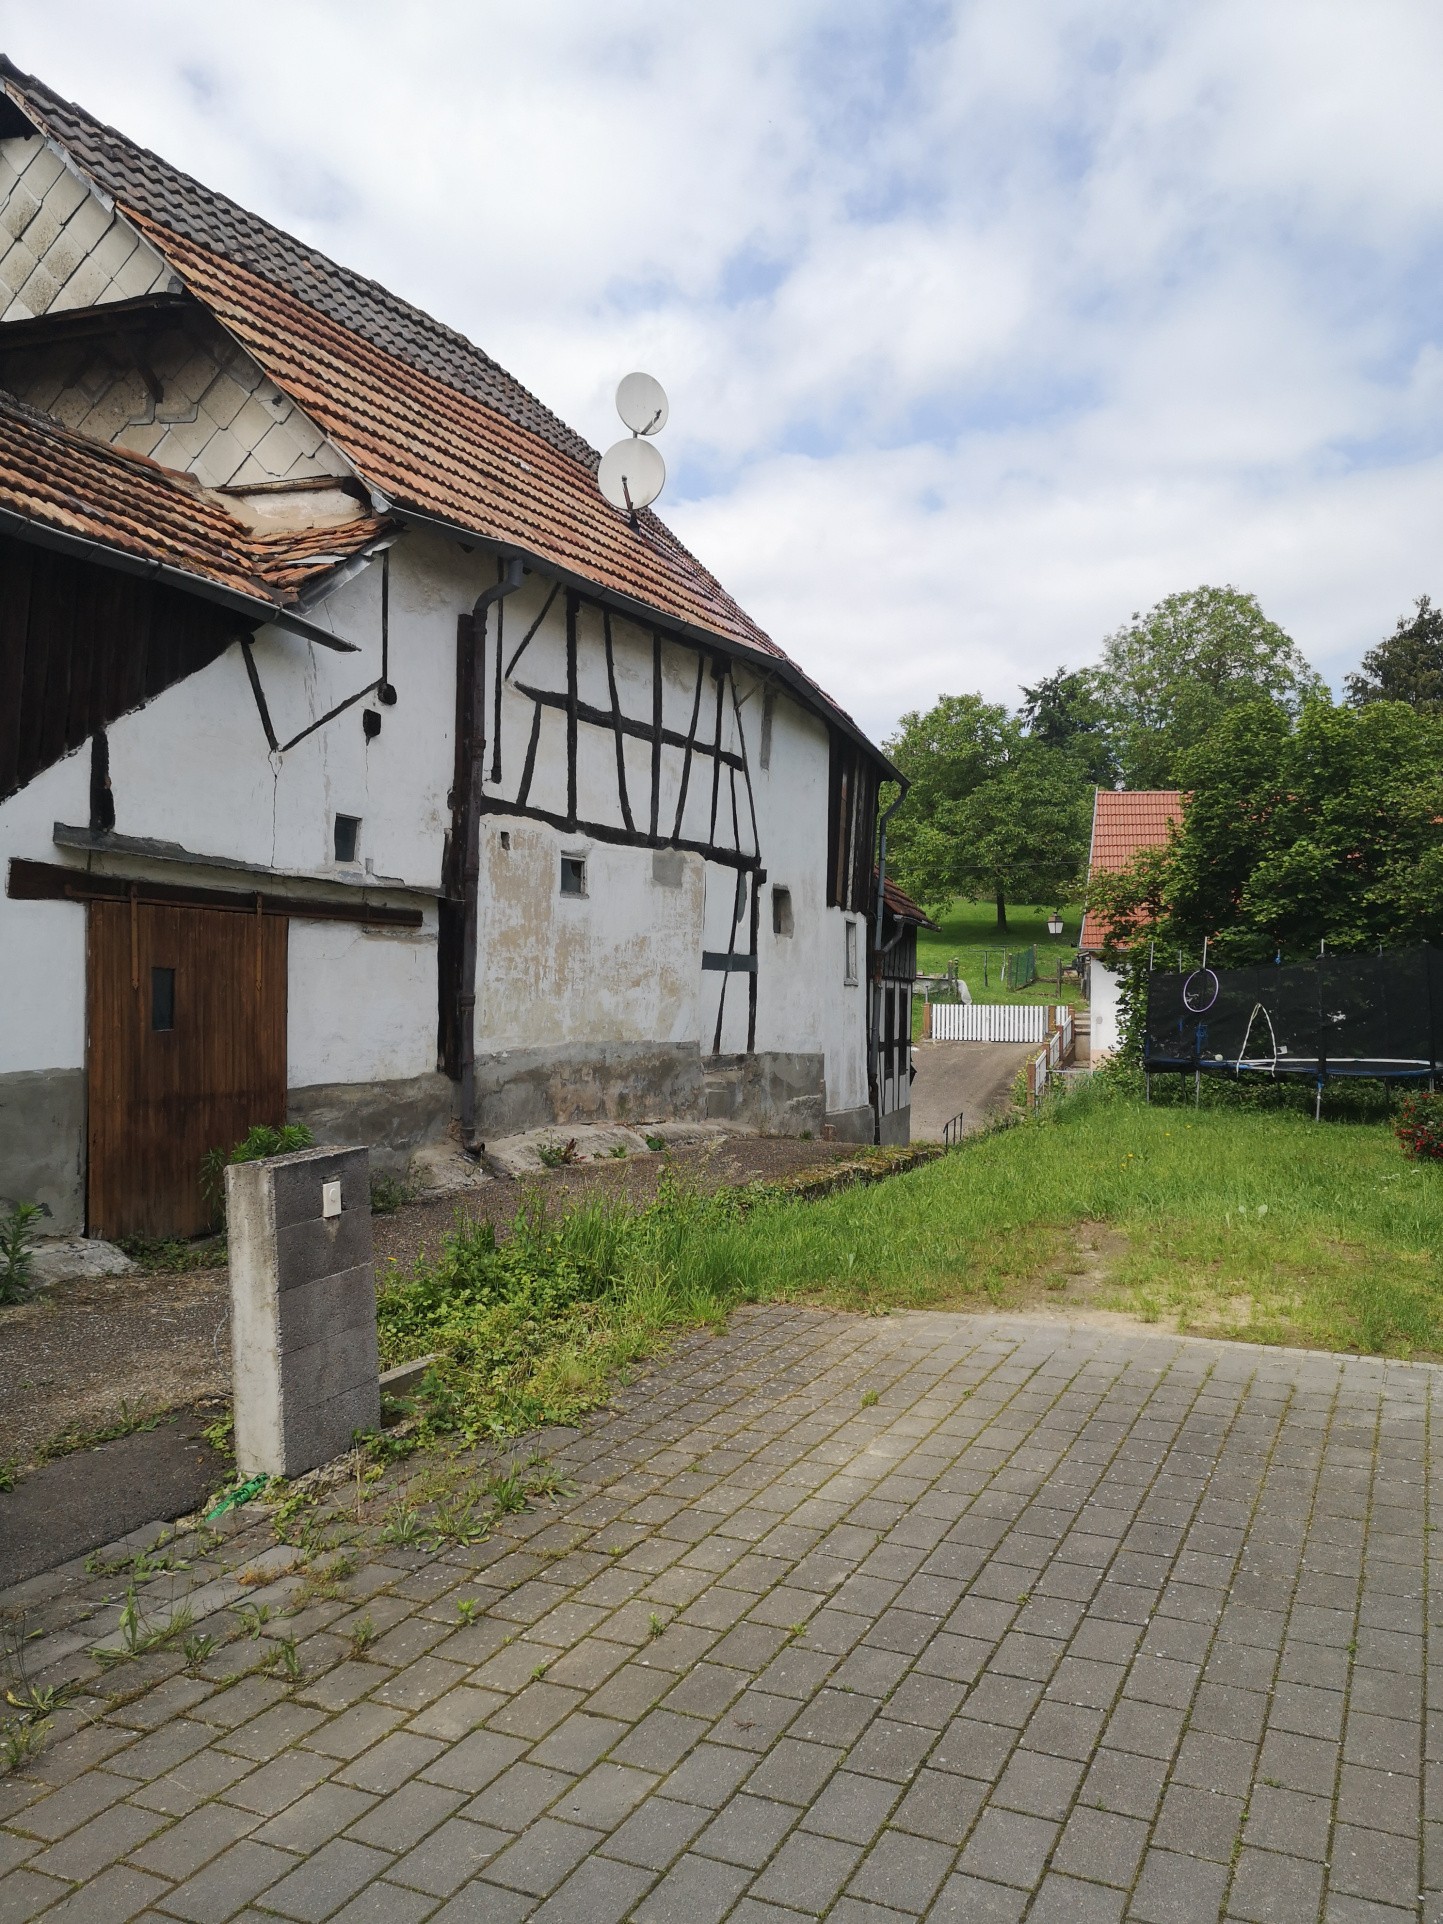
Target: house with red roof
{"points": [[1124, 822], [360, 764]]}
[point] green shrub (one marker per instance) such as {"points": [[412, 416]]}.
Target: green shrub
{"points": [[260, 1140], [17, 1228]]}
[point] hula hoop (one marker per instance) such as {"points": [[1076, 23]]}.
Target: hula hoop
{"points": [[1200, 999]]}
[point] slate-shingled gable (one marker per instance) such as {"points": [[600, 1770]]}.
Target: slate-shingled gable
{"points": [[142, 181]]}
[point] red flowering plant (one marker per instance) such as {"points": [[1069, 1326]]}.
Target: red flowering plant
{"points": [[1420, 1127]]}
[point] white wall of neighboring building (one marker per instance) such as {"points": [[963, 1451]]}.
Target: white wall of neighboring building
{"points": [[42, 944], [1103, 1002]]}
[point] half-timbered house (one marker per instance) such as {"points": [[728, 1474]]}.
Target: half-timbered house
{"points": [[358, 763]]}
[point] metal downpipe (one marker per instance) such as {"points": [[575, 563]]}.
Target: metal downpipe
{"points": [[471, 866], [874, 1013]]}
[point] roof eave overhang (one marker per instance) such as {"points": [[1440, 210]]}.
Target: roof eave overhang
{"points": [[256, 609], [641, 612]]}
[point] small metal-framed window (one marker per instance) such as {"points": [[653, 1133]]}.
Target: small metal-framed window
{"points": [[347, 838], [573, 875], [162, 998], [851, 954], [782, 920]]}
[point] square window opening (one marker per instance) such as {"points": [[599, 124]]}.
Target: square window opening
{"points": [[162, 998], [573, 875], [347, 837], [851, 975], [782, 923]]}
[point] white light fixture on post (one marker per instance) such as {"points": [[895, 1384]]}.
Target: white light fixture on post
{"points": [[1054, 924]]}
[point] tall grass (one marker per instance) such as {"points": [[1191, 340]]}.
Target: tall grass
{"points": [[1266, 1226]]}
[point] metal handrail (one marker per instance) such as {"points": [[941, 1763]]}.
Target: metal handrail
{"points": [[952, 1131]]}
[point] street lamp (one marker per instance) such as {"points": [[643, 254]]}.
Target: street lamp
{"points": [[1054, 924]]}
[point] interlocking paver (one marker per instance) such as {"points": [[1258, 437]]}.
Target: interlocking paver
{"points": [[1069, 1624]]}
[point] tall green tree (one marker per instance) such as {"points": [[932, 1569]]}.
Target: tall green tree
{"points": [[990, 811], [945, 753], [1406, 665], [1070, 709], [1327, 830], [1022, 835], [1169, 675]]}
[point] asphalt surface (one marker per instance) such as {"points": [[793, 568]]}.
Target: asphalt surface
{"points": [[75, 1502], [973, 1079]]}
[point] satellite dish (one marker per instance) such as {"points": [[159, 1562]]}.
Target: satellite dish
{"points": [[632, 474], [641, 403]]}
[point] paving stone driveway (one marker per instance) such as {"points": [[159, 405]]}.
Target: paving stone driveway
{"points": [[1068, 1625]]}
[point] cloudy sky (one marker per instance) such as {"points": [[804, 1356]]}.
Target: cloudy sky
{"points": [[984, 323]]}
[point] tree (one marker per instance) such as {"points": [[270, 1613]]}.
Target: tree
{"points": [[989, 811], [1024, 832], [946, 753], [1170, 675], [1330, 830], [1069, 709], [1406, 666]]}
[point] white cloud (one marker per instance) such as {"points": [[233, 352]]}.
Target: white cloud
{"points": [[985, 321]]}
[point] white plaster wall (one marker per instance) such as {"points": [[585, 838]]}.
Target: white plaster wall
{"points": [[362, 1005], [42, 944], [192, 767], [224, 794], [620, 964], [1103, 1000], [625, 964], [803, 1001]]}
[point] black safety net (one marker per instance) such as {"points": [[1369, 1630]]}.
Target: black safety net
{"points": [[1336, 1015]]}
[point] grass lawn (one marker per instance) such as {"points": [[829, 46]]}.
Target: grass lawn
{"points": [[970, 931], [1224, 1222]]}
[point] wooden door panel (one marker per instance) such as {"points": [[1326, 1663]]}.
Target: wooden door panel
{"points": [[161, 1097]]}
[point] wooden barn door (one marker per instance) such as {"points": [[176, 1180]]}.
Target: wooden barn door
{"points": [[187, 1049]]}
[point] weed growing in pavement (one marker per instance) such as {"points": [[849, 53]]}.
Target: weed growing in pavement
{"points": [[20, 1739], [655, 1625], [195, 1650], [137, 1637], [286, 1660], [66, 1442], [870, 1399], [253, 1618], [556, 1155], [362, 1637], [466, 1609]]}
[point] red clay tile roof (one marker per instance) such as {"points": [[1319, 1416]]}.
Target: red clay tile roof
{"points": [[85, 491], [426, 418], [1125, 820], [903, 907]]}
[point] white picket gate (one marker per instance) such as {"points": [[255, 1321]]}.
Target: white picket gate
{"points": [[992, 1021]]}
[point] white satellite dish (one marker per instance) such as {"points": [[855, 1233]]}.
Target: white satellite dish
{"points": [[632, 474], [641, 403]]}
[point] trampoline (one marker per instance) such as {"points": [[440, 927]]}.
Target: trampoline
{"points": [[1379, 1016]]}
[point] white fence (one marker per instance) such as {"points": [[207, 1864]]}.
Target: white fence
{"points": [[996, 1021]]}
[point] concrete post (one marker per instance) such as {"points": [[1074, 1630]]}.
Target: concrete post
{"points": [[303, 1308]]}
